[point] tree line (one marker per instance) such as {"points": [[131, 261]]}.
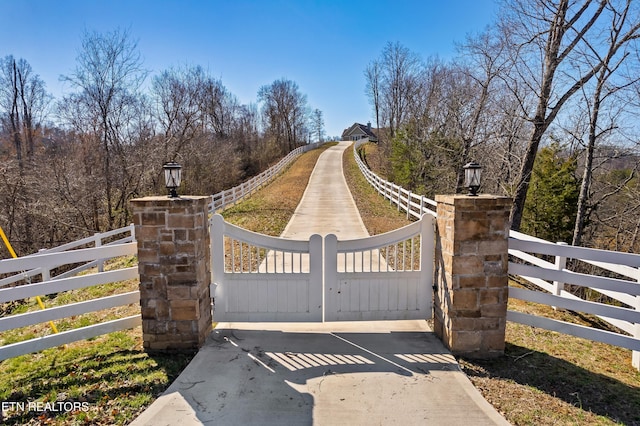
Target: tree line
{"points": [[69, 166], [546, 98]]}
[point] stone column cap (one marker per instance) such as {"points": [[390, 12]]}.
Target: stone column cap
{"points": [[461, 199], [164, 198]]}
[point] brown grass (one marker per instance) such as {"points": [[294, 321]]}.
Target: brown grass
{"points": [[378, 215], [548, 378], [268, 211]]}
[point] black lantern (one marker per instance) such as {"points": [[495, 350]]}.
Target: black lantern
{"points": [[472, 173], [172, 177]]}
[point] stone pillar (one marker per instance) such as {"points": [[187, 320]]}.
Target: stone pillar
{"points": [[470, 300], [174, 268]]}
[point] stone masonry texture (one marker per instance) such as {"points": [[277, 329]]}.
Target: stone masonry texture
{"points": [[470, 301]]}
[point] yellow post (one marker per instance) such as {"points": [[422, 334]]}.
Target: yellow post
{"points": [[14, 255], [6, 243]]}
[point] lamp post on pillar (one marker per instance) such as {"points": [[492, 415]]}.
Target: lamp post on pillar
{"points": [[174, 261], [470, 302]]}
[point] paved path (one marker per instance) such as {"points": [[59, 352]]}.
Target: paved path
{"points": [[327, 206], [341, 373]]}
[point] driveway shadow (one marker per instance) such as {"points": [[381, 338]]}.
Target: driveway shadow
{"points": [[282, 377]]}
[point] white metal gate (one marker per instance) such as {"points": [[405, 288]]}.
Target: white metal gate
{"points": [[260, 278]]}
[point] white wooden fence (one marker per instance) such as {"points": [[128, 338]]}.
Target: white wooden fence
{"points": [[228, 197], [42, 267], [117, 236], [415, 205], [549, 277]]}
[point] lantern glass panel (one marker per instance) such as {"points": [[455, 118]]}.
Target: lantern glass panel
{"points": [[472, 173], [172, 177], [472, 177]]}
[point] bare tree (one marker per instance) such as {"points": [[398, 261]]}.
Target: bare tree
{"points": [[107, 77], [400, 78], [284, 110], [221, 108], [545, 35], [622, 31], [23, 101], [486, 64], [373, 75], [504, 148], [178, 95], [317, 123]]}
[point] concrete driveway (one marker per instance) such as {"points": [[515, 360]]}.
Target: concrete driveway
{"points": [[356, 373], [327, 206]]}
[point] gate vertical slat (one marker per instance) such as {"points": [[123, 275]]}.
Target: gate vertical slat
{"points": [[427, 256], [329, 300], [217, 252]]}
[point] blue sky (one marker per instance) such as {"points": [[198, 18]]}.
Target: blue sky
{"points": [[324, 46]]}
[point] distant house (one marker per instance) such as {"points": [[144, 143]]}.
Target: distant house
{"points": [[359, 131]]}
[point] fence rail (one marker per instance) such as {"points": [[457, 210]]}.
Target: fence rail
{"points": [[230, 196], [23, 269], [32, 268], [624, 288], [414, 204]]}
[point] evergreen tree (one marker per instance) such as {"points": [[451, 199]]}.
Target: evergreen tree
{"points": [[552, 199], [424, 163]]}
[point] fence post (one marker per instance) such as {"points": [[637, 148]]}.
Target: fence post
{"points": [[386, 191], [398, 200], [217, 249], [132, 230], [635, 355], [427, 250], [174, 266], [316, 271], [46, 272], [98, 242], [471, 277], [561, 263]]}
